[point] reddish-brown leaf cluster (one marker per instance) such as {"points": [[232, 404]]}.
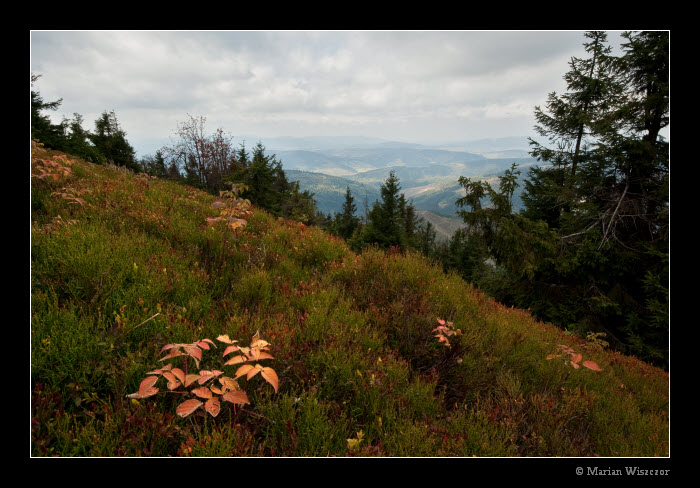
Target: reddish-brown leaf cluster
{"points": [[224, 388], [232, 208], [574, 358], [54, 168], [445, 330]]}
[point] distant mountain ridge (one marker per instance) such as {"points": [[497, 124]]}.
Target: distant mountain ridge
{"points": [[428, 176]]}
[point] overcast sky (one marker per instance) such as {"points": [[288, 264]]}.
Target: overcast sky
{"points": [[412, 86]]}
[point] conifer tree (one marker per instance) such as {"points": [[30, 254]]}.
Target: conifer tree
{"points": [[110, 141], [385, 225], [78, 140], [42, 129], [589, 251], [346, 222], [260, 177], [155, 165], [426, 239]]}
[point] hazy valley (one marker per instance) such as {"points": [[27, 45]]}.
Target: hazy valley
{"points": [[327, 166]]}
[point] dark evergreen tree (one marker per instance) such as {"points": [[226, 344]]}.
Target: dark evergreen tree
{"points": [[155, 165], [346, 222], [260, 177], [78, 141], [42, 129], [110, 141], [465, 253], [242, 155], [589, 251], [385, 224], [411, 222], [426, 240]]}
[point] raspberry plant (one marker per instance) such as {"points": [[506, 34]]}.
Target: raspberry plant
{"points": [[574, 358], [445, 330], [54, 168], [232, 207], [208, 388]]}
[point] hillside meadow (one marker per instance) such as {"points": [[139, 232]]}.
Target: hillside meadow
{"points": [[374, 354]]}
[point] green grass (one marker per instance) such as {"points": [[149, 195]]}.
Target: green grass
{"points": [[136, 267]]}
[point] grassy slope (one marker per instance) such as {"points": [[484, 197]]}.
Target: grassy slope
{"points": [[351, 335]]}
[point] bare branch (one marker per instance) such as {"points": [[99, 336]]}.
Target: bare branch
{"points": [[612, 219]]}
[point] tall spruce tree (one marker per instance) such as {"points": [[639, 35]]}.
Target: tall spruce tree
{"points": [[110, 140], [589, 251], [42, 129], [78, 141], [385, 224], [260, 178], [346, 222]]}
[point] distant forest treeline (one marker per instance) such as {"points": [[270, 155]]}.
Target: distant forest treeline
{"points": [[587, 251]]}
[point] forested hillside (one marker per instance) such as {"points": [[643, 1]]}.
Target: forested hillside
{"points": [[360, 354], [196, 302]]}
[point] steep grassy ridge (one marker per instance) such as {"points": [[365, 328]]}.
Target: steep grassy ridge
{"points": [[123, 264]]}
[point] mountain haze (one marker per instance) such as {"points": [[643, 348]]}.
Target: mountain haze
{"points": [[428, 175]]}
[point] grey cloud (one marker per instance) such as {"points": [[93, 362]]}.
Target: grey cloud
{"points": [[313, 80]]}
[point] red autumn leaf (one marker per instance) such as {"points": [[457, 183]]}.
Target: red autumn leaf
{"points": [[187, 407], [260, 344], [442, 338], [179, 374], [173, 354], [169, 376], [145, 388], [205, 375], [208, 375], [248, 370], [252, 372], [441, 322], [271, 377], [257, 355], [213, 406], [194, 351], [592, 365], [244, 370], [202, 392], [191, 378], [150, 392], [576, 358], [236, 360], [229, 350], [203, 345], [237, 396], [172, 380], [225, 338], [229, 383]]}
